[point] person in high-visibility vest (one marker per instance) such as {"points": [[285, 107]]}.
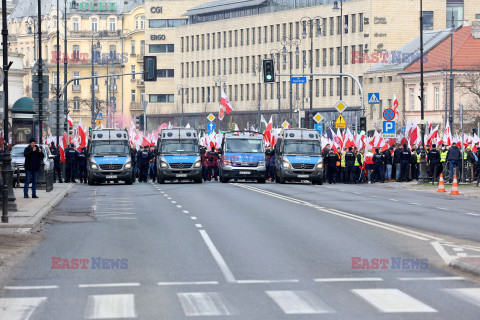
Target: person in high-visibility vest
{"points": [[359, 159], [443, 158], [342, 165]]}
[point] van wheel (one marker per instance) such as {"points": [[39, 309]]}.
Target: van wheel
{"points": [[223, 180], [129, 182], [281, 180], [262, 180], [198, 180], [89, 181]]}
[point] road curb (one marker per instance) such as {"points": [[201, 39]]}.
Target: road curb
{"points": [[466, 266], [34, 221]]}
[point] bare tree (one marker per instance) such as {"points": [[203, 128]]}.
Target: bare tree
{"points": [[469, 86]]}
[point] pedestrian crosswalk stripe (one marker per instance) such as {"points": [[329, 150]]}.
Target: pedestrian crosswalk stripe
{"points": [[110, 306], [299, 302], [392, 301], [19, 308], [470, 295], [204, 304]]}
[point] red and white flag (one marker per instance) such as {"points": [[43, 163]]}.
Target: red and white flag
{"points": [[70, 121], [82, 134], [221, 113], [395, 104], [224, 102], [447, 135]]}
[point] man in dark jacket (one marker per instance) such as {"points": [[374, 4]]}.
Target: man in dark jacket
{"points": [[82, 165], [56, 162], [378, 164], [433, 159], [349, 165], [33, 160], [331, 160], [387, 157], [453, 158], [405, 159], [71, 156], [396, 161]]}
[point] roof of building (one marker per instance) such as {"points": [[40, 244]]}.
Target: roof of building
{"points": [[23, 105], [132, 4], [400, 59], [465, 54], [222, 5]]}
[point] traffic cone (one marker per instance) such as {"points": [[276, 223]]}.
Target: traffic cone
{"points": [[441, 184], [455, 186]]}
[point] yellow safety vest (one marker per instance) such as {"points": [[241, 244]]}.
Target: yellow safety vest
{"points": [[465, 155], [443, 156], [362, 156], [342, 161]]}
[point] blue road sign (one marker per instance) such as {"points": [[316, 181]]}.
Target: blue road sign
{"points": [[99, 116], [389, 127], [374, 98], [211, 126], [318, 127], [298, 79]]}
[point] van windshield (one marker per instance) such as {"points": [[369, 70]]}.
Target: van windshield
{"points": [[302, 147], [244, 145], [179, 146], [106, 148]]}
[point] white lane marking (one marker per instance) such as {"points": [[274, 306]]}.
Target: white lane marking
{"points": [[441, 208], [396, 200], [357, 193], [457, 249], [472, 214], [169, 198], [193, 218], [114, 214], [470, 295], [185, 211], [165, 195], [392, 301], [415, 204], [204, 304], [431, 279], [442, 252], [29, 287], [107, 306], [179, 206], [343, 190], [19, 308], [109, 285], [462, 254], [186, 283], [218, 257], [174, 201], [346, 279], [299, 302], [198, 225], [267, 281], [121, 218], [276, 195]]}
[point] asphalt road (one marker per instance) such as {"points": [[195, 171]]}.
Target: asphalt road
{"points": [[249, 251]]}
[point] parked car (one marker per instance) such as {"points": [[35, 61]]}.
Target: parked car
{"points": [[18, 160]]}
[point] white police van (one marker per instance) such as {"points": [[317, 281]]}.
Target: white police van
{"points": [[109, 157], [299, 156], [178, 155]]}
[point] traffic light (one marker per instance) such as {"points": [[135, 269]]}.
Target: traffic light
{"points": [[363, 124], [474, 131], [150, 71], [268, 70], [140, 122]]}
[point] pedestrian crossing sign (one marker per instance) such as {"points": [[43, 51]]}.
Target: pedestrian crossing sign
{"points": [[211, 117], [317, 117], [374, 98], [340, 106]]}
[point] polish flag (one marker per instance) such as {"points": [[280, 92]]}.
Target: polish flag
{"points": [[221, 113], [395, 104], [82, 134], [225, 103], [267, 134], [433, 135], [447, 135], [62, 146], [70, 121]]}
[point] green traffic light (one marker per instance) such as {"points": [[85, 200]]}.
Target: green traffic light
{"points": [[269, 77]]}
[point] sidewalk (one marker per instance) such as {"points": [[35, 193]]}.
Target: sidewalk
{"points": [[32, 211], [467, 190], [469, 264]]}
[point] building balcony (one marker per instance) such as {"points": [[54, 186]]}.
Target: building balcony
{"points": [[140, 83], [76, 88], [140, 57], [113, 88], [136, 106], [88, 34]]}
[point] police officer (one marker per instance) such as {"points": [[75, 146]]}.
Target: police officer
{"points": [[349, 165], [203, 157], [331, 160], [433, 159], [143, 161], [213, 155], [71, 156], [56, 162], [82, 165], [405, 159], [152, 170], [133, 156], [267, 163], [378, 164], [273, 163]]}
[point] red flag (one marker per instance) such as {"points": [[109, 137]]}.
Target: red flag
{"points": [[395, 104], [70, 121], [83, 136], [226, 103], [62, 146], [221, 113]]}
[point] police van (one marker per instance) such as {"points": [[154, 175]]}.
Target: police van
{"points": [[299, 156], [242, 156], [178, 155], [108, 157]]}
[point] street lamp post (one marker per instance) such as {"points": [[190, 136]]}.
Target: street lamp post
{"points": [[305, 21], [272, 52], [257, 67], [31, 24], [290, 42], [182, 89], [94, 47], [451, 74], [423, 177], [218, 82], [73, 4], [40, 75], [335, 7]]}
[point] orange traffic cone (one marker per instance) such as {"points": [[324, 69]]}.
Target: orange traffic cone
{"points": [[441, 184], [455, 186]]}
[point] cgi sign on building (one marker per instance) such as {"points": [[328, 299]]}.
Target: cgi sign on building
{"points": [[95, 6]]}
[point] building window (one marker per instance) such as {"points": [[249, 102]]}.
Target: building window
{"points": [[353, 54], [134, 95], [324, 87], [380, 109], [142, 22], [345, 24], [76, 74], [339, 83], [142, 47], [339, 25], [345, 86], [76, 52], [76, 103], [380, 79], [339, 55], [390, 78], [412, 99], [94, 22], [317, 88], [354, 23], [132, 46], [113, 52], [113, 24], [161, 48], [324, 57], [76, 24], [165, 98], [331, 56], [437, 98], [332, 25], [133, 71], [360, 21], [331, 87], [427, 20], [345, 55]]}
